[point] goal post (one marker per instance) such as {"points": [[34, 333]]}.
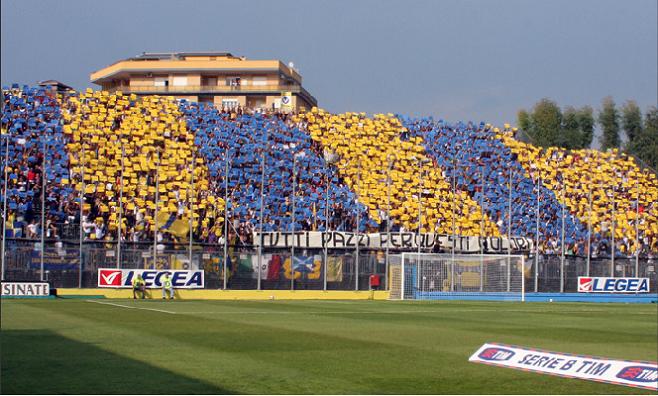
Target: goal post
{"points": [[429, 276]]}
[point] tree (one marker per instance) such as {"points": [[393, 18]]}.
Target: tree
{"points": [[645, 144], [609, 121], [586, 125], [570, 130], [631, 120], [524, 120], [543, 123]]}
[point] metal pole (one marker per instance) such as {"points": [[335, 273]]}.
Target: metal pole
{"points": [[226, 204], [262, 208], [388, 216], [562, 243], [326, 227], [509, 230], [43, 206], [482, 229], [123, 154], [155, 218], [82, 203], [5, 215], [589, 231], [419, 239], [452, 248], [637, 228], [612, 245], [358, 220], [537, 234], [190, 189], [292, 245]]}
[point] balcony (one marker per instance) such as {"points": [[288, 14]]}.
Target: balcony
{"points": [[215, 90]]}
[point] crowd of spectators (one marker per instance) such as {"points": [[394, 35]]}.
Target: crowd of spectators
{"points": [[379, 160], [481, 164], [164, 162], [248, 139], [623, 196], [32, 141]]}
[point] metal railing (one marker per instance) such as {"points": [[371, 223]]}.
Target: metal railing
{"points": [[200, 89], [66, 266]]}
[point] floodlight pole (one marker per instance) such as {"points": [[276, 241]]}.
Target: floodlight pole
{"points": [[262, 208], [5, 215], [43, 205]]}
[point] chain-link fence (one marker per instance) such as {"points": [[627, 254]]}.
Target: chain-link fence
{"points": [[67, 265]]}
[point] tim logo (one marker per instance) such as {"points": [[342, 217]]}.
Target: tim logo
{"points": [[639, 374], [585, 284], [496, 354], [109, 278]]}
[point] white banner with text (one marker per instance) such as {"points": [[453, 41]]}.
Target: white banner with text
{"points": [[638, 374], [397, 240]]}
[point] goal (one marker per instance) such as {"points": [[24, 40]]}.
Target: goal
{"points": [[426, 276]]}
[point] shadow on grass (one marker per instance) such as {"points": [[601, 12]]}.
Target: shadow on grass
{"points": [[42, 362]]}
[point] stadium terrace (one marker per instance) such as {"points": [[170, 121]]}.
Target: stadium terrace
{"points": [[109, 178]]}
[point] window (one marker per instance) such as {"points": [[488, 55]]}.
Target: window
{"points": [[259, 81], [179, 81], [161, 82], [233, 81]]}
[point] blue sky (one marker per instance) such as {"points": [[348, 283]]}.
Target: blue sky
{"points": [[457, 60]]}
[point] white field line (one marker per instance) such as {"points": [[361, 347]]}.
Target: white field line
{"points": [[129, 307]]}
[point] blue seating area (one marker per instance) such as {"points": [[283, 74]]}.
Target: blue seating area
{"points": [[483, 162], [30, 119], [246, 136]]}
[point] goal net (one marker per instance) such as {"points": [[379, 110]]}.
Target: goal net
{"points": [[426, 276]]}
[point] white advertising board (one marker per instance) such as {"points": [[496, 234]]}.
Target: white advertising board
{"points": [[588, 284], [638, 374], [122, 278], [25, 289]]}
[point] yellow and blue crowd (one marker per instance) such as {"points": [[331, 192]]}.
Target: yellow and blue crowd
{"points": [[154, 167]]}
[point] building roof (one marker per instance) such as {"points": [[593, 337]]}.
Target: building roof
{"points": [[57, 84], [177, 55]]}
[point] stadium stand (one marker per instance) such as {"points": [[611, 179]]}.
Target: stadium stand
{"points": [[615, 182], [157, 150], [481, 164], [366, 147], [85, 133], [31, 122], [286, 146]]}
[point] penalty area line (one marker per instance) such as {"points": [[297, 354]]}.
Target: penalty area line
{"points": [[129, 307]]}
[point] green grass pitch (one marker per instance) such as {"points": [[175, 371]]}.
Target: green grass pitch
{"points": [[305, 347]]}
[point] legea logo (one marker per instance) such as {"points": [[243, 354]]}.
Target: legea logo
{"points": [[585, 284], [109, 278], [496, 354]]}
